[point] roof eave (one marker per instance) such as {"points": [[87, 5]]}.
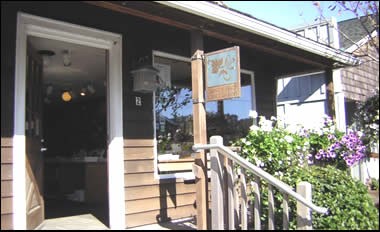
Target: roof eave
{"points": [[251, 25]]}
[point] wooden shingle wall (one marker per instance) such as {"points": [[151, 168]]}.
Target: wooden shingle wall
{"points": [[359, 81]]}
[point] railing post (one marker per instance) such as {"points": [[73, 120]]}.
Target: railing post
{"points": [[217, 182], [230, 194], [270, 208], [244, 200], [285, 213], [304, 220], [257, 203]]}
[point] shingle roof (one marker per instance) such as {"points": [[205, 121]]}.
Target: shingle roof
{"points": [[354, 30]]}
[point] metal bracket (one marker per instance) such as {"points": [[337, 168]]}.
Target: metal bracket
{"points": [[197, 56]]}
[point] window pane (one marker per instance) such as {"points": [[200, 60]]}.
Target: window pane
{"points": [[230, 118], [174, 120]]}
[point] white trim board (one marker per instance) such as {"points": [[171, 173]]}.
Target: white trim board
{"points": [[46, 28]]}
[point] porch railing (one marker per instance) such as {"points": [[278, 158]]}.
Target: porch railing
{"points": [[229, 202]]}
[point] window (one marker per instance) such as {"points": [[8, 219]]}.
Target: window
{"points": [[230, 118], [174, 117]]}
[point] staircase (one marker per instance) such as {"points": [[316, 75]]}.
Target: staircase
{"points": [[229, 200]]}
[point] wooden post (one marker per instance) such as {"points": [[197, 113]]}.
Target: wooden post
{"points": [[199, 127], [330, 93], [304, 212]]}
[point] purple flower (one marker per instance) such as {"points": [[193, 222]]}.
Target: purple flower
{"points": [[330, 136]]}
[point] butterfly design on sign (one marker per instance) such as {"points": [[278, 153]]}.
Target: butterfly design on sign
{"points": [[222, 67]]}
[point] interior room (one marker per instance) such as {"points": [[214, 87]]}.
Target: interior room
{"points": [[73, 128]]}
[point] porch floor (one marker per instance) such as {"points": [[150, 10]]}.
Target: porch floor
{"points": [[89, 222], [180, 224], [78, 222]]}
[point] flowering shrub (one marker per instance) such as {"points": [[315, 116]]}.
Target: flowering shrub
{"points": [[330, 146], [320, 156], [273, 146], [366, 118]]}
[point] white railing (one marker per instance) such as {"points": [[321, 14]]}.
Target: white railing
{"points": [[229, 208]]}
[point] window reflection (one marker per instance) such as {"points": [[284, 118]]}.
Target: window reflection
{"points": [[174, 115], [230, 118], [174, 121]]}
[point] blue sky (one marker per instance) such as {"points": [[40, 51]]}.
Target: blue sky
{"points": [[287, 14]]}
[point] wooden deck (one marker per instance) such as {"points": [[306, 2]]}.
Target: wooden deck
{"points": [[180, 224], [89, 222], [78, 222]]}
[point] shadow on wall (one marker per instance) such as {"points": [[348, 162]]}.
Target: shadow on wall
{"points": [[301, 88], [167, 191]]}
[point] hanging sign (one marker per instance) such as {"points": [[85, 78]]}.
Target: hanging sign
{"points": [[222, 74]]}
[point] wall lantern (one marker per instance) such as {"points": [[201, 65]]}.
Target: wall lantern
{"points": [[145, 79]]}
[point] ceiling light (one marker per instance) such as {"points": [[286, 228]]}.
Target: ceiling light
{"points": [[83, 92], [66, 56], [46, 56], [66, 96]]}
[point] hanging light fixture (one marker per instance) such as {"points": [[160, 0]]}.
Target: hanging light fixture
{"points": [[46, 56], [91, 88], [66, 56], [49, 90]]}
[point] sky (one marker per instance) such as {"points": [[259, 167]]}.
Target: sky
{"points": [[287, 14]]}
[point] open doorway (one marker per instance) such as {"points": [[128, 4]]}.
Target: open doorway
{"points": [[30, 213], [73, 127]]}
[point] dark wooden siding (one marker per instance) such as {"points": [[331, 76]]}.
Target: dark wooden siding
{"points": [[8, 33]]}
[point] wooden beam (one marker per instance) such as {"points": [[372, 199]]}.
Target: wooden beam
{"points": [[227, 38], [199, 127], [330, 93], [141, 14]]}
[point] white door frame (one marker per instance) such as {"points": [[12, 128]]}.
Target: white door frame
{"points": [[51, 29]]}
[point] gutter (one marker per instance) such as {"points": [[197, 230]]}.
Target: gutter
{"points": [[251, 25]]}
